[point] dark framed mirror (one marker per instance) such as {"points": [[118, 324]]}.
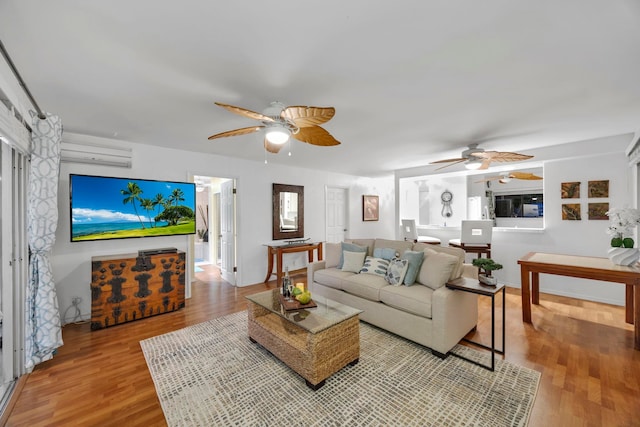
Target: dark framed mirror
{"points": [[288, 211]]}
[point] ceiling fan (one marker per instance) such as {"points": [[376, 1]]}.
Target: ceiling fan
{"points": [[280, 122], [508, 176], [476, 158]]}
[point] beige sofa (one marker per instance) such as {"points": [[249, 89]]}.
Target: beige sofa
{"points": [[426, 312]]}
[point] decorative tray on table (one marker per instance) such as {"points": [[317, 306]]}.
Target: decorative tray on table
{"points": [[295, 304]]}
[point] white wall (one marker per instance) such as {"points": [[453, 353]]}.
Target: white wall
{"points": [[602, 159], [71, 261]]}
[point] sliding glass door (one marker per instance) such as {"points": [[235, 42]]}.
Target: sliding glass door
{"points": [[13, 265]]}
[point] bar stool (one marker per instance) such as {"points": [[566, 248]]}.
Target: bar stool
{"points": [[475, 237], [411, 234]]}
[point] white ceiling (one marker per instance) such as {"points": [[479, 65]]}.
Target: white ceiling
{"points": [[412, 81]]}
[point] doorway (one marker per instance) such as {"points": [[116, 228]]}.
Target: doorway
{"points": [[214, 246], [337, 208]]}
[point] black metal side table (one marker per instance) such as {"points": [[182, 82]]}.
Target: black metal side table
{"points": [[465, 284]]}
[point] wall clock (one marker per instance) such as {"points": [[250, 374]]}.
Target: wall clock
{"points": [[446, 198]]}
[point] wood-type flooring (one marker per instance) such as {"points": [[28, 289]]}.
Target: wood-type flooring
{"points": [[584, 350]]}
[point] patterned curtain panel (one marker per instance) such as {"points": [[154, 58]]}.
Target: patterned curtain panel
{"points": [[43, 329]]}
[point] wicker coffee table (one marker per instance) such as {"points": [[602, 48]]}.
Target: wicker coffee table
{"points": [[315, 343]]}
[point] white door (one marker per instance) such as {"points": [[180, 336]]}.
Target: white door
{"points": [[336, 214], [228, 232]]}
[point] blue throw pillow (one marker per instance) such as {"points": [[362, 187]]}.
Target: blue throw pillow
{"points": [[350, 247], [415, 262], [384, 253]]}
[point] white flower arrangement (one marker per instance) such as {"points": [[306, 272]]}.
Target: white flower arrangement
{"points": [[622, 221]]}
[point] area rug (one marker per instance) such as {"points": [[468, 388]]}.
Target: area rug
{"points": [[210, 374]]}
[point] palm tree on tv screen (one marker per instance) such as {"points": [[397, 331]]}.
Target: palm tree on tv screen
{"points": [[176, 196], [158, 202], [147, 204], [132, 193]]}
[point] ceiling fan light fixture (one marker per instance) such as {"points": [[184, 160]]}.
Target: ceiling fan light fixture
{"points": [[277, 134], [473, 164]]}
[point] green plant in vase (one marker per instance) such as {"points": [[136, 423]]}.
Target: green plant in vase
{"points": [[487, 265]]}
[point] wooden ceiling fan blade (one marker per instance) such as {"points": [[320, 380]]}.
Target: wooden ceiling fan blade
{"points": [[237, 132], [304, 116], [485, 164], [452, 163], [502, 156], [458, 160], [524, 175], [315, 135], [271, 147], [246, 113]]}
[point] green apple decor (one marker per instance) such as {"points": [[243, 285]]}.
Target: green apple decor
{"points": [[487, 265]]}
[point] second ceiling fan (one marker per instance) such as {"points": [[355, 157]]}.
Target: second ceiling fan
{"points": [[280, 122], [476, 158], [503, 178]]}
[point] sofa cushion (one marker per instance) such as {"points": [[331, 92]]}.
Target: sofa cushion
{"points": [[375, 266], [332, 254], [364, 285], [385, 253], [412, 299], [399, 245], [396, 271], [457, 252], [415, 261], [436, 268], [351, 247], [353, 261], [365, 243], [331, 277]]}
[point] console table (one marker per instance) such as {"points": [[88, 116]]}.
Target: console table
{"points": [[279, 250], [534, 263]]}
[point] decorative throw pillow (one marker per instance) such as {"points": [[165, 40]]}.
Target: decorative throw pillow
{"points": [[384, 253], [351, 248], [375, 266], [437, 268], [353, 261], [396, 271], [415, 261]]}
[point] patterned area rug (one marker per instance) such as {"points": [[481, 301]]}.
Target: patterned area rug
{"points": [[211, 374]]}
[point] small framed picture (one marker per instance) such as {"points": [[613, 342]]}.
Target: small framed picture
{"points": [[370, 208], [570, 190], [598, 210], [571, 211], [598, 189]]}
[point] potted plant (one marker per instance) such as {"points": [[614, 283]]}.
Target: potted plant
{"points": [[622, 221], [487, 265], [201, 234]]}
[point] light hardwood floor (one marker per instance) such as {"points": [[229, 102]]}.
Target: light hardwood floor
{"points": [[584, 350]]}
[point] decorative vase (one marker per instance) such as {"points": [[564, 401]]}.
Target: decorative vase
{"points": [[487, 280], [624, 256]]}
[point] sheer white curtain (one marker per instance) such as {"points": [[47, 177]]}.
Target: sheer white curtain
{"points": [[43, 327]]}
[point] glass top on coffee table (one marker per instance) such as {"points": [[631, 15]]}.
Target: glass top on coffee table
{"points": [[328, 312]]}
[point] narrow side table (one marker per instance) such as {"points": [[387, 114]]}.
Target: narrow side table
{"points": [[465, 284]]}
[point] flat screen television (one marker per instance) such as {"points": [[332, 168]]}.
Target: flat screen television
{"points": [[118, 208]]}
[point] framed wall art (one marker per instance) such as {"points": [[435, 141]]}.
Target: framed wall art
{"points": [[370, 208], [571, 211], [598, 189], [598, 210], [570, 190]]}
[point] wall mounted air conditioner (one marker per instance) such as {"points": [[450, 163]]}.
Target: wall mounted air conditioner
{"points": [[95, 154]]}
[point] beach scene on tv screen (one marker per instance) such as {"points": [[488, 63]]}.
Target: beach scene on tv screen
{"points": [[115, 208]]}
